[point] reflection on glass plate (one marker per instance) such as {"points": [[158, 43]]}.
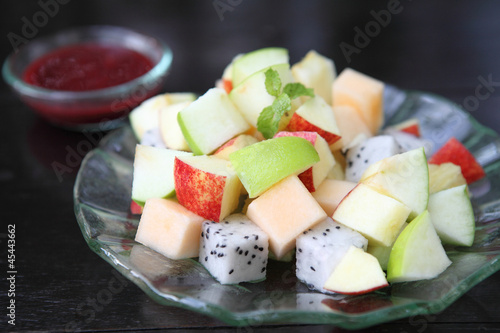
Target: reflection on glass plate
{"points": [[102, 199]]}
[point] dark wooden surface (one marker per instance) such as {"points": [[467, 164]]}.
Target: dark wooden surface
{"points": [[444, 48]]}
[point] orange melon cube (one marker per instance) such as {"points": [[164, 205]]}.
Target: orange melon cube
{"points": [[352, 127], [169, 229], [331, 192], [362, 92], [283, 212]]}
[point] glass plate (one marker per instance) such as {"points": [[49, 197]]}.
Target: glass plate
{"points": [[102, 198]]}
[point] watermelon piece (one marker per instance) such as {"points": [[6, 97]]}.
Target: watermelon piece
{"points": [[455, 152]]}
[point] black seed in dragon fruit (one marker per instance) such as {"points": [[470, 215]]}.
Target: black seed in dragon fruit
{"points": [[153, 138], [372, 150], [320, 249], [234, 250]]}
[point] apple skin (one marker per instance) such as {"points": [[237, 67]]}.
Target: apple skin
{"points": [[263, 164], [455, 152], [135, 208], [298, 123], [202, 192]]}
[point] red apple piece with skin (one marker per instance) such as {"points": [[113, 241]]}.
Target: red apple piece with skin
{"points": [[455, 152], [315, 175], [207, 186]]}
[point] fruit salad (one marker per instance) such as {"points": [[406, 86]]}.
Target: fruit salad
{"points": [[281, 162]]}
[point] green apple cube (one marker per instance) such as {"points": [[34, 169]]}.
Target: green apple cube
{"points": [[404, 177], [417, 253], [153, 175], [452, 215], [261, 165], [251, 96], [254, 61], [210, 121], [145, 117]]}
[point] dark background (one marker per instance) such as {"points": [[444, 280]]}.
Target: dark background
{"points": [[442, 47]]}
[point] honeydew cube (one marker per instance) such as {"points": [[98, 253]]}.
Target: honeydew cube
{"points": [[376, 216], [362, 92], [283, 212], [169, 229], [210, 121], [331, 192]]}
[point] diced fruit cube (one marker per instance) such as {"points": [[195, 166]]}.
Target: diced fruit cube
{"points": [[283, 212], [368, 152], [331, 192], [263, 164], [376, 216], [410, 126], [153, 175], [321, 248], [452, 216], [234, 250], [317, 72], [170, 229], [357, 273], [417, 254], [317, 116], [241, 141], [210, 121], [362, 92], [351, 126], [444, 176], [315, 175], [251, 97], [145, 116], [207, 186], [170, 130], [254, 61], [404, 177], [455, 152]]}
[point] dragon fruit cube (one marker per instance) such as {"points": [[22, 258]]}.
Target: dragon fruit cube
{"points": [[320, 249], [234, 250]]}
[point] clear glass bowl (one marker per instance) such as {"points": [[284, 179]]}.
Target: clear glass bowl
{"points": [[100, 109], [102, 198]]}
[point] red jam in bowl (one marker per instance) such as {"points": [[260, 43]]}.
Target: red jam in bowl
{"points": [[85, 67], [88, 67]]}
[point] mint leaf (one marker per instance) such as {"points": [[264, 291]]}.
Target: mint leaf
{"points": [[294, 90], [273, 82], [270, 117]]}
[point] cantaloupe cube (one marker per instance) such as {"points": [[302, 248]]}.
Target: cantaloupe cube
{"points": [[170, 229], [330, 192], [283, 212], [352, 127], [362, 92]]}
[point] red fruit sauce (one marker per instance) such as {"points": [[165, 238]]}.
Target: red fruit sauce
{"points": [[87, 67]]}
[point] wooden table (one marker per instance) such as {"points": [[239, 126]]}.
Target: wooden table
{"points": [[448, 48]]}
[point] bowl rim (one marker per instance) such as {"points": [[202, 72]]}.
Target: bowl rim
{"points": [[152, 77]]}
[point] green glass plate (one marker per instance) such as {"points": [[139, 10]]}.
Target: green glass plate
{"points": [[102, 200]]}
